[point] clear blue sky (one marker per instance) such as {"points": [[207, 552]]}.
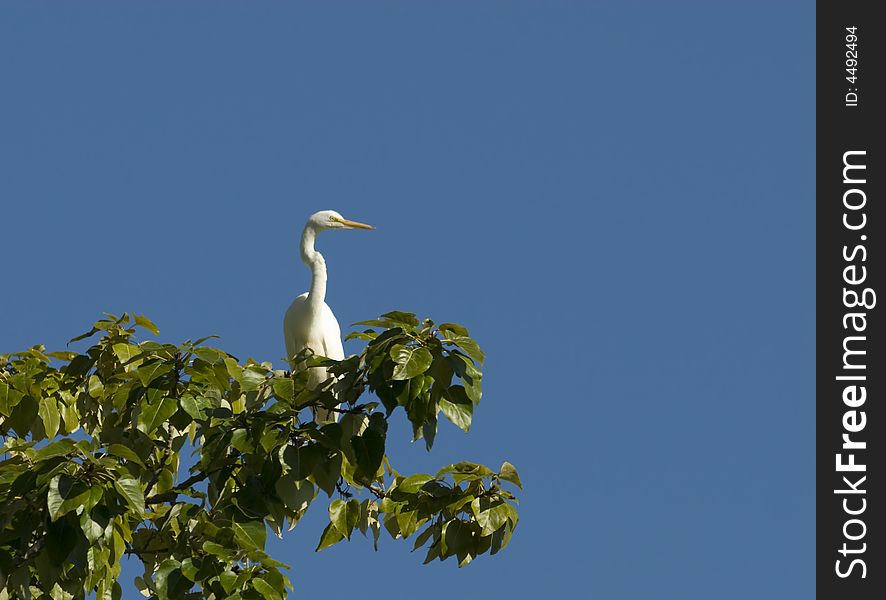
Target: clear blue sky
{"points": [[615, 197]]}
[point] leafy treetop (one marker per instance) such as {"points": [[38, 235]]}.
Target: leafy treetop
{"points": [[92, 460]]}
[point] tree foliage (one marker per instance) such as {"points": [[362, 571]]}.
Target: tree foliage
{"points": [[96, 460]]}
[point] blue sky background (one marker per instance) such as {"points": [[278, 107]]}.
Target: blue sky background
{"points": [[615, 197]]}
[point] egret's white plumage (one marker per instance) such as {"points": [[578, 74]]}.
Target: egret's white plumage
{"points": [[309, 322]]}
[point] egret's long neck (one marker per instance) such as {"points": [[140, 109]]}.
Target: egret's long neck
{"points": [[314, 260]]}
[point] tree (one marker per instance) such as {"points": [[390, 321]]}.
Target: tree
{"points": [[94, 440]]}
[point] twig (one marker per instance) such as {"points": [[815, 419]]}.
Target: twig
{"points": [[174, 492]]}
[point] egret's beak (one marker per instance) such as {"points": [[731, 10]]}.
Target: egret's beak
{"points": [[355, 224]]}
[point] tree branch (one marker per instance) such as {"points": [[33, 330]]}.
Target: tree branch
{"points": [[174, 492], [359, 409], [376, 491]]}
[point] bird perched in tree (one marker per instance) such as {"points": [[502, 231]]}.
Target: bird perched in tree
{"points": [[309, 322]]}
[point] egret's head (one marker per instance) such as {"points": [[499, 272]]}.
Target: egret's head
{"points": [[329, 219]]}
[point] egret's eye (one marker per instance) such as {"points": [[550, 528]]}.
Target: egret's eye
{"points": [[332, 219]]}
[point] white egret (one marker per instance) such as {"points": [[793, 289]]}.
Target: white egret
{"points": [[309, 322]]}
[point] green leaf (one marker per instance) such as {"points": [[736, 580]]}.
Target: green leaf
{"points": [[228, 580], [429, 430], [251, 380], [392, 525], [132, 492], [265, 589], [143, 321], [8, 398], [457, 539], [410, 361], [240, 440], [148, 373], [23, 415], [373, 323], [60, 448], [473, 390], [465, 471], [118, 545], [66, 494], [468, 345], [217, 550], [96, 387], [493, 518], [92, 530], [454, 328], [413, 483], [233, 368], [167, 578], [367, 335], [434, 551], [326, 472], [457, 407], [509, 473], [189, 569], [79, 366], [125, 352], [368, 515], [441, 372], [407, 521], [155, 414], [331, 535], [97, 558], [83, 336], [338, 516], [353, 515], [54, 499], [423, 537], [195, 406], [401, 318], [207, 354], [284, 389], [49, 414], [250, 534], [70, 417], [369, 449], [296, 495], [513, 517], [61, 538]]}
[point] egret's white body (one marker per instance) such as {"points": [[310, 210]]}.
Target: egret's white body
{"points": [[309, 322]]}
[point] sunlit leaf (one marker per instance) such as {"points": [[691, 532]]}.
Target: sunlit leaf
{"points": [[331, 535], [148, 373], [401, 318], [453, 328], [250, 534], [468, 345], [509, 473], [156, 413], [130, 489], [414, 483], [143, 321], [265, 589], [411, 361], [457, 407], [60, 448]]}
